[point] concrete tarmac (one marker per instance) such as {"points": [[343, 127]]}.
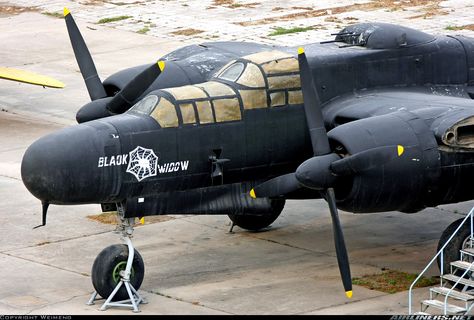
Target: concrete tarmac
{"points": [[193, 265]]}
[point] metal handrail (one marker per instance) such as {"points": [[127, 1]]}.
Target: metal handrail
{"points": [[455, 285], [440, 252]]}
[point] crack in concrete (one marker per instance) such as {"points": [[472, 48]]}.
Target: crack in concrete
{"points": [[10, 177], [251, 235], [43, 264], [323, 253], [186, 301], [55, 241], [53, 303], [344, 304]]}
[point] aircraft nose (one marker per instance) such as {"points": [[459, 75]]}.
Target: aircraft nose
{"points": [[61, 168]]}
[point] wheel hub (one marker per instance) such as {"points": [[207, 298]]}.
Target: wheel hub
{"points": [[116, 276]]}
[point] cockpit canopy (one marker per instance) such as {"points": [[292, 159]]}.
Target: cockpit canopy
{"points": [[261, 80], [382, 36]]}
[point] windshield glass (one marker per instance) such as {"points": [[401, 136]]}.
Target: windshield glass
{"points": [[233, 72], [144, 106]]}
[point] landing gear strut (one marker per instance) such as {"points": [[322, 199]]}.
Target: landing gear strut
{"points": [[118, 271]]}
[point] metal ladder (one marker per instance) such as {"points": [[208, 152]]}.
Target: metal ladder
{"points": [[449, 298]]}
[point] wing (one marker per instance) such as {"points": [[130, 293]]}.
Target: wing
{"points": [[29, 77], [432, 138], [427, 103]]}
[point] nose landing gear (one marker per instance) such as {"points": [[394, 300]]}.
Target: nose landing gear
{"points": [[118, 271]]}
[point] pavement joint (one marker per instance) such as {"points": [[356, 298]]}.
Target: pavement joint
{"points": [[7, 252], [9, 177], [249, 234], [186, 301], [44, 264], [47, 305]]}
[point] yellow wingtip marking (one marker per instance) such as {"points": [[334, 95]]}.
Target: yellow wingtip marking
{"points": [[66, 11], [349, 294], [161, 65], [400, 150], [29, 77], [252, 194], [142, 220], [300, 50]]}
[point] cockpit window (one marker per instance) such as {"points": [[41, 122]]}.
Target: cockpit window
{"points": [[233, 72], [187, 113], [165, 114], [144, 106], [252, 77]]}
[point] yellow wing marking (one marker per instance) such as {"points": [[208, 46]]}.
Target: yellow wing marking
{"points": [[29, 77]]}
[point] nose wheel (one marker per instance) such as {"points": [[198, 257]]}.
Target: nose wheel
{"points": [[118, 271]]}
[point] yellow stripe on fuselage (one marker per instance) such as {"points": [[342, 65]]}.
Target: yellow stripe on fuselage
{"points": [[29, 77]]}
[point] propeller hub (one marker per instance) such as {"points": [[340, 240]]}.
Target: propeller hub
{"points": [[315, 173]]}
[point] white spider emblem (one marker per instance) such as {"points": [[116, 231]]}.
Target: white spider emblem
{"points": [[142, 163]]}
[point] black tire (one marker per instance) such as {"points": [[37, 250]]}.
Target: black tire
{"points": [[106, 267], [451, 252], [256, 223]]}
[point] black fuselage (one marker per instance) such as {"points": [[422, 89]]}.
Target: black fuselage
{"points": [[374, 93]]}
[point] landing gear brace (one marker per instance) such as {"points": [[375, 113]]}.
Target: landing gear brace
{"points": [[135, 299]]}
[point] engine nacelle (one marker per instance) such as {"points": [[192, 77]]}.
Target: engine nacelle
{"points": [[403, 184]]}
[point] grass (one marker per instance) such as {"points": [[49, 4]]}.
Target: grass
{"points": [[143, 30], [456, 28], [113, 19], [280, 30], [392, 281], [111, 218], [453, 28], [106, 217], [53, 14], [187, 32]]}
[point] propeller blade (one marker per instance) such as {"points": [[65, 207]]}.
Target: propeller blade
{"points": [[276, 187], [84, 60], [312, 108], [123, 100], [341, 252], [366, 160]]}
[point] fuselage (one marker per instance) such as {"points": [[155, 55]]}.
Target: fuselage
{"points": [[249, 123]]}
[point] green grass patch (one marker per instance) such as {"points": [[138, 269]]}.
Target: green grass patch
{"points": [[453, 28], [392, 281], [456, 28], [280, 30], [53, 14], [113, 19], [143, 30]]}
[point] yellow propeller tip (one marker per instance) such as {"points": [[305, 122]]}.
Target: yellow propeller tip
{"points": [[300, 50], [142, 220], [161, 65], [349, 294], [252, 194], [400, 150], [66, 11]]}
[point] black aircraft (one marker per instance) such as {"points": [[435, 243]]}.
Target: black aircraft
{"points": [[381, 118]]}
